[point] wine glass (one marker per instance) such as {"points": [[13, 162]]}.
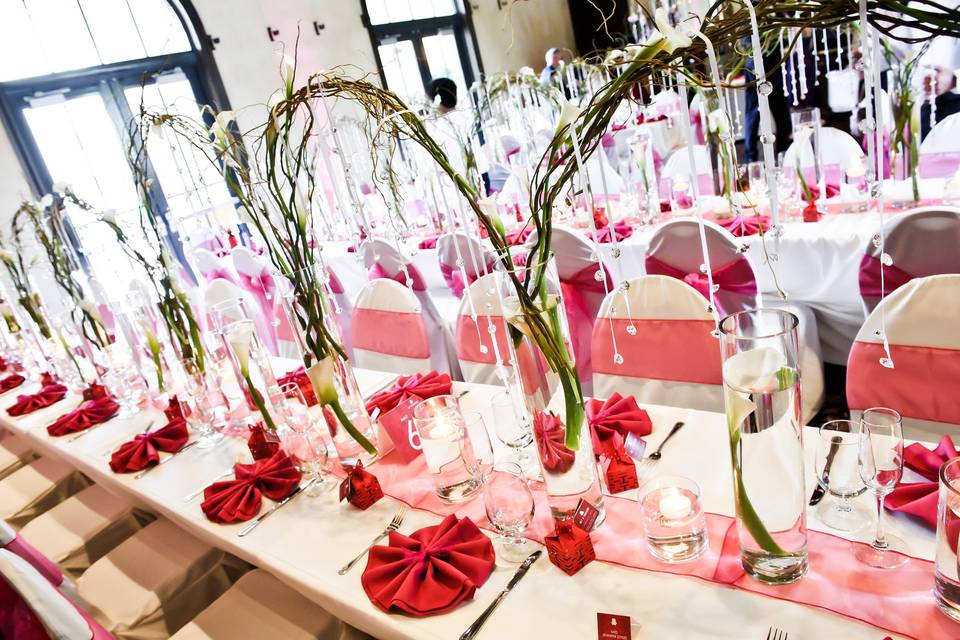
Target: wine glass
{"points": [[881, 467], [758, 178], [837, 469], [479, 439], [510, 507], [510, 428], [304, 441]]}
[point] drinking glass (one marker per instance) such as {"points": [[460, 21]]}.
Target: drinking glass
{"points": [[881, 467], [304, 440], [758, 178], [447, 448], [837, 469], [510, 507], [510, 428], [479, 441], [946, 587]]}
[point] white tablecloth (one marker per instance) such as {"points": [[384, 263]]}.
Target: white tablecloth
{"points": [[817, 265], [306, 542]]}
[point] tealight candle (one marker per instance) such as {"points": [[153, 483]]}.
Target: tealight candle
{"points": [[673, 518], [446, 447], [674, 506], [855, 168]]}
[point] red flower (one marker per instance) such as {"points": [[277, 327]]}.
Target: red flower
{"points": [[554, 454]]}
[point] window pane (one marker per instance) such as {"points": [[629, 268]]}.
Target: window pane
{"points": [[20, 53], [387, 11], [377, 11], [443, 58], [159, 26], [401, 70], [64, 36], [113, 29]]}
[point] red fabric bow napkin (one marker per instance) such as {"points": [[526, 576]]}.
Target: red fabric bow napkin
{"points": [[360, 488], [554, 454], [920, 498], [12, 381], [302, 380], [90, 413], [612, 420], [430, 571], [745, 225], [429, 242], [143, 450], [423, 386], [240, 499], [3, 364], [621, 229], [48, 395]]}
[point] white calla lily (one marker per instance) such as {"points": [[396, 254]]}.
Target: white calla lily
{"points": [[6, 255], [288, 69], [672, 37], [109, 215], [321, 377], [238, 337], [91, 310], [568, 114], [718, 122]]}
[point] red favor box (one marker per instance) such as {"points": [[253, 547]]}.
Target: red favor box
{"points": [[569, 547], [360, 488], [621, 474]]}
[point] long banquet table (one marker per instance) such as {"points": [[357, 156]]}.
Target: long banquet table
{"points": [[306, 542]]}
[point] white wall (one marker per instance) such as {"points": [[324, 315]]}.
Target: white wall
{"points": [[13, 183], [520, 33]]}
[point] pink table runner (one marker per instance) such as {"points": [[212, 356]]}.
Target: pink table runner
{"points": [[899, 601]]}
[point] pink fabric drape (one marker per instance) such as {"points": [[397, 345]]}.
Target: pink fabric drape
{"points": [[733, 277], [416, 279], [921, 385], [938, 165], [392, 333], [454, 278], [893, 277], [579, 315], [677, 350], [471, 335], [213, 274]]}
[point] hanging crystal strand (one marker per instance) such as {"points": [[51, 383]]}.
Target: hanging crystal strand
{"points": [[932, 99], [801, 64], [849, 30], [826, 50], [784, 63], [793, 74], [334, 181], [839, 49], [816, 60]]}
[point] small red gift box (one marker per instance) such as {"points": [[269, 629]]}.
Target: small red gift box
{"points": [[569, 547], [174, 410], [263, 443], [94, 392], [360, 488], [621, 474]]}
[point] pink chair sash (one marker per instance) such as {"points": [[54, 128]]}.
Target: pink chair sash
{"points": [[17, 619], [220, 272], [697, 125], [579, 315], [454, 278], [921, 385], [40, 562], [261, 286], [677, 350], [417, 282], [734, 277], [938, 165], [392, 333], [471, 335], [336, 287], [893, 277]]}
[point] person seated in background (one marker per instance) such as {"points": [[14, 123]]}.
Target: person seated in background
{"points": [[554, 58], [454, 129], [443, 94]]}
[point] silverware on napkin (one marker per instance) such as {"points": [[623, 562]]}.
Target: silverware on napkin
{"points": [[393, 526], [266, 514], [819, 491], [167, 459], [473, 629]]}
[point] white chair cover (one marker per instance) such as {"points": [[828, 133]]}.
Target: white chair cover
{"points": [[153, 583], [221, 291], [477, 348], [944, 137], [921, 328], [678, 166], [260, 606], [389, 332], [839, 149], [35, 488], [458, 246], [671, 358], [212, 266]]}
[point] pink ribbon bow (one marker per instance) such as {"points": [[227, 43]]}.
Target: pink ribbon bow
{"points": [[735, 277], [416, 280], [893, 277]]}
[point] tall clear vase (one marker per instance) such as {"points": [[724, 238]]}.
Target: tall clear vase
{"points": [[300, 309], [552, 394], [761, 383]]}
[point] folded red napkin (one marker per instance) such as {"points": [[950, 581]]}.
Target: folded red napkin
{"points": [[85, 416], [519, 237], [745, 225], [48, 395], [3, 364], [429, 242], [143, 450], [423, 386], [95, 392], [920, 498], [302, 380], [12, 381], [430, 571], [554, 454], [612, 420], [621, 229], [240, 499]]}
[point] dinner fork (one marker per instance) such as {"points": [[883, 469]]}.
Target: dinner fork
{"points": [[776, 634], [652, 459], [393, 526]]}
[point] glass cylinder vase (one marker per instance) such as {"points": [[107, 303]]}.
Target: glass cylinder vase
{"points": [[761, 383], [252, 368], [947, 575], [543, 363]]}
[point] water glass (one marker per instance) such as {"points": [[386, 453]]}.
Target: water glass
{"points": [[510, 426], [447, 448], [881, 467], [479, 439], [304, 439], [510, 508], [673, 519], [757, 176], [837, 469], [946, 579]]}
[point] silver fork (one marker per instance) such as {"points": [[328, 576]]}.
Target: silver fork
{"points": [[776, 634], [652, 459], [393, 526]]}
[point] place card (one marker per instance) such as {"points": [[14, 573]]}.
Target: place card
{"points": [[635, 446], [586, 515], [613, 627]]}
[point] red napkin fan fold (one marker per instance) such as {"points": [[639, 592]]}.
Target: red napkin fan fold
{"points": [[12, 381], [48, 395], [240, 499], [89, 413], [555, 456], [423, 386], [920, 498], [430, 571], [612, 420], [144, 450]]}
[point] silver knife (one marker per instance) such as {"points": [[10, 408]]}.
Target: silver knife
{"points": [[819, 491], [166, 460], [473, 629], [266, 514]]}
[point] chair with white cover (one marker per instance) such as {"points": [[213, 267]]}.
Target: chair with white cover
{"points": [[35, 488], [83, 528], [256, 277], [260, 606], [456, 247], [675, 250], [921, 242], [940, 150], [389, 332], [677, 168], [839, 150], [217, 298], [15, 543], [921, 329], [153, 583], [480, 311], [212, 266], [663, 332], [14, 453], [32, 607], [384, 261]]}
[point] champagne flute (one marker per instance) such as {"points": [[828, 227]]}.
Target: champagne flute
{"points": [[881, 467]]}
